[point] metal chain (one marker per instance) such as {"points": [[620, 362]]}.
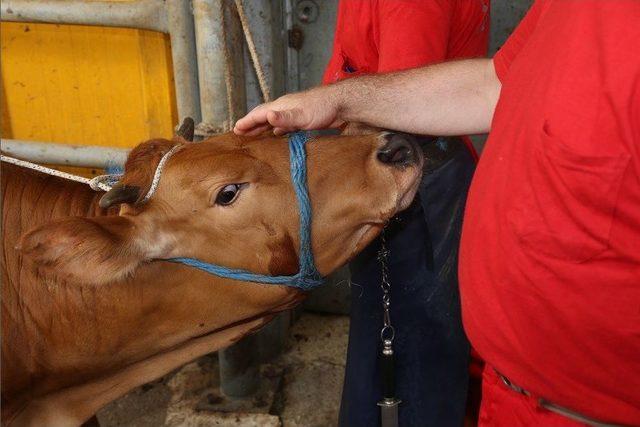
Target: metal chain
{"points": [[387, 333]]}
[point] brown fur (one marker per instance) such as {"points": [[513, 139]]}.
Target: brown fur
{"points": [[142, 162], [88, 310]]}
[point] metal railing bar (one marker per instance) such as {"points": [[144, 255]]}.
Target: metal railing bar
{"points": [[141, 14], [65, 155]]}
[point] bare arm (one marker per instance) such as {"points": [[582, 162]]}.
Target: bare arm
{"points": [[452, 98]]}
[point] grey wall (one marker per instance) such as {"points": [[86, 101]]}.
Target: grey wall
{"points": [[505, 15], [318, 41]]}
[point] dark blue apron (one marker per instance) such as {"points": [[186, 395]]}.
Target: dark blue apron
{"points": [[431, 349]]}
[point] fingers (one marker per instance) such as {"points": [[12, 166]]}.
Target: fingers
{"points": [[284, 112], [337, 123], [289, 113], [258, 130], [262, 118], [282, 131], [285, 121], [253, 123], [291, 119]]}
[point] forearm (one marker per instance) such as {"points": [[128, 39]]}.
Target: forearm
{"points": [[452, 98]]}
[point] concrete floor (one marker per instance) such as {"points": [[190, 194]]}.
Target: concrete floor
{"points": [[302, 387]]}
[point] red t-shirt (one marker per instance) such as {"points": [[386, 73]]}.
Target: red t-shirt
{"points": [[390, 35], [550, 258]]}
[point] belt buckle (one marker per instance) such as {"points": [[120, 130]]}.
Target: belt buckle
{"points": [[550, 406]]}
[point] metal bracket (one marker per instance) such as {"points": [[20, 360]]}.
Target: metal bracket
{"points": [[296, 38]]}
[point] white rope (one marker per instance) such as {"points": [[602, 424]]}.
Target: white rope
{"points": [[158, 173], [100, 182], [264, 87], [97, 183]]}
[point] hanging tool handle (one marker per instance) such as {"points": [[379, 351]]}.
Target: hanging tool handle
{"points": [[388, 373], [389, 404]]}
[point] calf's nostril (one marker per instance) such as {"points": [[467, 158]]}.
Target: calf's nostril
{"points": [[398, 151]]}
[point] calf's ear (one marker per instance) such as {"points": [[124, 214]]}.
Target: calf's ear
{"points": [[94, 251]]}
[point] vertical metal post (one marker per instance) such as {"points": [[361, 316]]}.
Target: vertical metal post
{"points": [[185, 63], [240, 363], [239, 368], [212, 57], [265, 18], [273, 337], [219, 46], [293, 72], [210, 50], [235, 43]]}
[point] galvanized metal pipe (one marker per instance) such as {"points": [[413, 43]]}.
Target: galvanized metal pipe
{"points": [[265, 19], [236, 43], [183, 53], [239, 368], [219, 39], [143, 14], [292, 83], [63, 154], [211, 52]]}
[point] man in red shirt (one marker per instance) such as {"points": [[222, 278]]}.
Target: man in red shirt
{"points": [[550, 256], [430, 348]]}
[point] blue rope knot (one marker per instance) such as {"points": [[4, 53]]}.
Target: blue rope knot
{"points": [[308, 276]]}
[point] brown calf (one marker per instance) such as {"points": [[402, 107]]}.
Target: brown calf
{"points": [[88, 310]]}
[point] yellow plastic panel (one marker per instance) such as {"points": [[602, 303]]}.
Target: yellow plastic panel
{"points": [[85, 85]]}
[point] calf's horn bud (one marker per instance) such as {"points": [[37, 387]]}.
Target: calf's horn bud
{"points": [[186, 129], [118, 194]]}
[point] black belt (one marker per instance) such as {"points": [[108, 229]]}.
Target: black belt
{"points": [[560, 410]]}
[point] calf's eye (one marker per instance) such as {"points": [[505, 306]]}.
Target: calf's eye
{"points": [[228, 194]]}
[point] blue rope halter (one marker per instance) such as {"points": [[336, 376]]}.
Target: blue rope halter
{"points": [[308, 276]]}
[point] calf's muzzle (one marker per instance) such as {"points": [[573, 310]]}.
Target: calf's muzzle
{"points": [[399, 150]]}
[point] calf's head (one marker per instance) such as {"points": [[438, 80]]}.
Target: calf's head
{"points": [[229, 200]]}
